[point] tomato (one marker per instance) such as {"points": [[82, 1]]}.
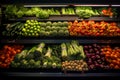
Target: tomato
{"points": [[104, 11]]}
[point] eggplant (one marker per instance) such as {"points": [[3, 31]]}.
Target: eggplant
{"points": [[93, 57], [91, 50], [95, 45], [88, 55], [99, 61], [97, 52], [98, 47], [98, 56], [85, 47], [85, 51], [90, 46], [95, 49]]}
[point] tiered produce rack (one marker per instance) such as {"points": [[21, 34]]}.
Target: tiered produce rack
{"points": [[83, 40]]}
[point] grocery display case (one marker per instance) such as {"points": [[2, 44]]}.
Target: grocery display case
{"points": [[66, 38]]}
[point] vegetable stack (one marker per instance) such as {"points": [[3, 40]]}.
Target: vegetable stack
{"points": [[112, 55], [95, 58], [7, 54], [39, 56], [73, 57]]}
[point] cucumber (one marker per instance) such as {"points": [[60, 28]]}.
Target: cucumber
{"points": [[14, 24]]}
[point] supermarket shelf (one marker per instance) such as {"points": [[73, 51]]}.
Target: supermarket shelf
{"points": [[40, 74], [58, 41], [66, 18]]}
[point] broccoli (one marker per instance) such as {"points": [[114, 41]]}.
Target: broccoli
{"points": [[30, 56], [17, 57], [59, 65], [37, 64], [23, 63], [31, 62], [56, 59], [14, 64]]}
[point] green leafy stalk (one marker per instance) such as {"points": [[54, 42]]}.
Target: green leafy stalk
{"points": [[40, 47], [64, 50], [49, 51], [82, 51]]}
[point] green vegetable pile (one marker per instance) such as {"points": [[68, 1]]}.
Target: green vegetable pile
{"points": [[31, 28], [85, 11], [73, 57], [39, 56], [68, 11], [48, 56], [13, 11], [13, 29], [54, 28], [72, 51]]}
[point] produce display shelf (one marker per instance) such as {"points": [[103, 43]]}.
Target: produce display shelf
{"points": [[57, 41], [67, 18], [41, 74]]}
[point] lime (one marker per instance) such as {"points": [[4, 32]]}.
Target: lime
{"points": [[31, 27], [32, 20], [25, 34], [36, 34], [23, 29], [38, 30], [32, 34], [35, 21], [29, 34], [31, 31], [27, 21], [26, 24], [27, 30], [35, 28], [31, 24]]}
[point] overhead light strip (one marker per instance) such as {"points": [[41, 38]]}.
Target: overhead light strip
{"points": [[68, 5], [45, 5]]}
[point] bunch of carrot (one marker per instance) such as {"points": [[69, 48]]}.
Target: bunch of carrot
{"points": [[7, 54], [112, 56]]}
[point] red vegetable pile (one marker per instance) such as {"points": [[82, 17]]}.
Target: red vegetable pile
{"points": [[94, 57], [92, 28], [112, 55], [7, 54]]}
